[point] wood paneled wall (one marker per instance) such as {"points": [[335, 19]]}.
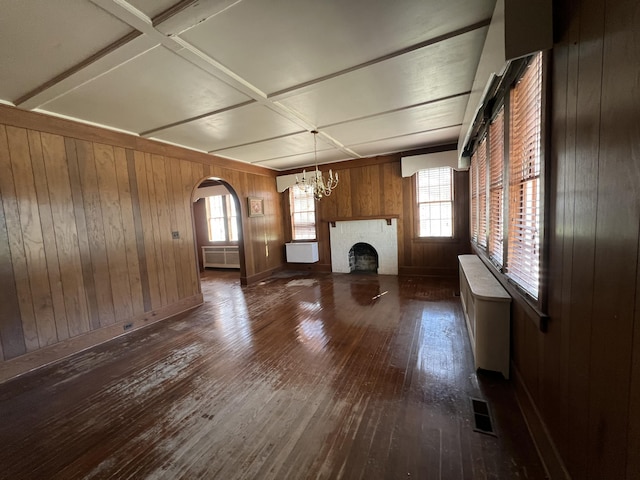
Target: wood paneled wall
{"points": [[86, 222], [583, 374], [374, 188]]}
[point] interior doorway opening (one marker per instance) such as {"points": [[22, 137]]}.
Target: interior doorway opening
{"points": [[218, 228]]}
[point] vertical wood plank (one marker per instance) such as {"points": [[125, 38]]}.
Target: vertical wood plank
{"points": [[164, 228], [585, 98], [345, 209], [559, 247], [114, 231], [32, 236], [11, 334], [49, 241], [129, 231], [179, 219], [139, 230], [62, 209], [82, 232], [186, 176], [147, 229], [92, 213], [17, 248], [156, 234]]}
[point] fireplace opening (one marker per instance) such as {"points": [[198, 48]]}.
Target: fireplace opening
{"points": [[363, 258]]}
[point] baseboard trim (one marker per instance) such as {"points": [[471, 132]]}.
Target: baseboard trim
{"points": [[15, 367], [428, 271], [259, 276], [547, 451]]}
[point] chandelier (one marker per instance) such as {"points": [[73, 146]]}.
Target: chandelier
{"points": [[316, 182]]}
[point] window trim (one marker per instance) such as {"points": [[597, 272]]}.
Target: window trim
{"points": [[291, 216], [416, 213]]}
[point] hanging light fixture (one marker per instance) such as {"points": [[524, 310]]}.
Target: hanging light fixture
{"points": [[316, 183]]}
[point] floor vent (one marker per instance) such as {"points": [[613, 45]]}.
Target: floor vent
{"points": [[482, 417]]}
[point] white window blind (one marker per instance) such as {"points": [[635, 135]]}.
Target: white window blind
{"points": [[434, 188], [496, 191], [482, 193], [303, 213], [523, 257], [473, 179]]}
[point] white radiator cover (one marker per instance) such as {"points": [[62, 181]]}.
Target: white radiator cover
{"points": [[487, 310], [224, 256], [302, 252]]}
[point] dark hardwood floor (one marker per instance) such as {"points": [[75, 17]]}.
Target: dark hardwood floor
{"points": [[300, 376]]}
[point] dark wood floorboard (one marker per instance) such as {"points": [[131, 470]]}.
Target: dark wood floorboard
{"points": [[300, 376]]}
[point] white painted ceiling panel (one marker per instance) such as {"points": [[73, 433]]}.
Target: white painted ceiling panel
{"points": [[449, 112], [296, 144], [430, 73], [408, 142], [305, 160], [279, 44], [41, 39], [241, 125], [152, 90]]}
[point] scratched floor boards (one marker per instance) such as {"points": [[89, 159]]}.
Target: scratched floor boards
{"points": [[300, 376]]}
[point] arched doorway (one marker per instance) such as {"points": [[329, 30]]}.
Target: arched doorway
{"points": [[218, 232]]}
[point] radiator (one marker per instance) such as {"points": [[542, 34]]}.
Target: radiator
{"points": [[221, 256], [487, 307], [302, 252]]}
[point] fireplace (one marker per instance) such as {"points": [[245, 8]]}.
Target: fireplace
{"points": [[363, 258], [380, 234]]}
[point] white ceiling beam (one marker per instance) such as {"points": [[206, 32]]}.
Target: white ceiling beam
{"points": [[91, 71]]}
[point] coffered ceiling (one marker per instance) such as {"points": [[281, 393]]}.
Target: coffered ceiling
{"points": [[249, 79]]}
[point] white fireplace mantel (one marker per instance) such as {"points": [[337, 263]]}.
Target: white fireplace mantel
{"points": [[381, 234]]}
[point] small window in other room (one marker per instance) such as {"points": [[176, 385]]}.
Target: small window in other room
{"points": [[303, 213], [222, 219], [434, 187]]}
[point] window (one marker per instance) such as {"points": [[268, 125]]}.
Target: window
{"points": [[303, 213], [482, 192], [496, 167], [473, 179], [507, 222], [523, 258], [434, 188], [222, 218]]}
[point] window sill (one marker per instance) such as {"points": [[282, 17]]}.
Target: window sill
{"points": [[436, 240]]}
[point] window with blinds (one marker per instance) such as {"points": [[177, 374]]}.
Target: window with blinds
{"points": [[434, 188], [523, 243], [482, 193], [222, 219], [303, 213], [473, 179], [496, 166]]}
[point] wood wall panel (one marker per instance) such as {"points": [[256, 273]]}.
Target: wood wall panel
{"points": [[139, 232], [130, 260], [16, 246], [11, 334], [99, 279], [46, 222], [32, 237], [582, 374], [86, 233]]}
